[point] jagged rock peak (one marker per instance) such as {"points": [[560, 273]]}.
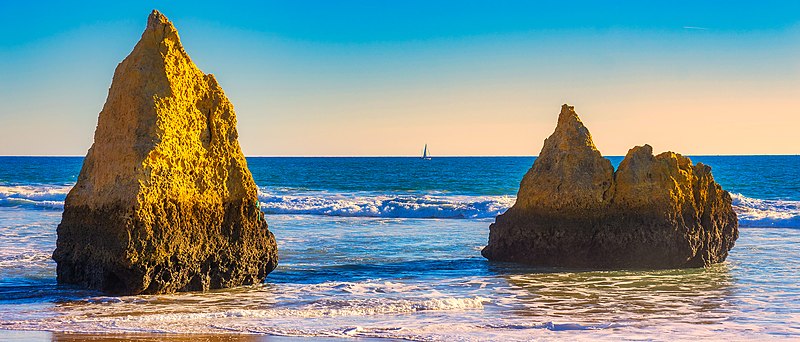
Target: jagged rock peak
{"points": [[157, 19], [160, 28], [569, 174], [573, 210], [570, 130], [164, 201]]}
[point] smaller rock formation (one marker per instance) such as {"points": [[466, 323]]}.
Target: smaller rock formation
{"points": [[573, 210], [164, 201]]}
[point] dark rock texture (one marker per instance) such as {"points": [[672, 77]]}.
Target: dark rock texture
{"points": [[573, 210], [164, 201]]}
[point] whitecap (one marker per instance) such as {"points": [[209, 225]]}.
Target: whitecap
{"points": [[753, 212], [47, 196], [384, 205]]}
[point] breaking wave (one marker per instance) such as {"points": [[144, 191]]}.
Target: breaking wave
{"points": [[34, 196], [385, 205], [752, 212], [331, 305]]}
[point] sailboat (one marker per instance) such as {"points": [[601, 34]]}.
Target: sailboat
{"points": [[425, 155]]}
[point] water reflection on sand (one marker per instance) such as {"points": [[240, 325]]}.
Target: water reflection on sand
{"points": [[618, 297]]}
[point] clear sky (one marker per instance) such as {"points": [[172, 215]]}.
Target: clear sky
{"points": [[465, 77]]}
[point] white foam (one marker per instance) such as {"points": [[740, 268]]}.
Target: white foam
{"points": [[381, 205], [19, 257], [753, 212], [83, 316], [333, 308], [370, 287], [44, 196]]}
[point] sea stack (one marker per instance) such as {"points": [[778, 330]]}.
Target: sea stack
{"points": [[573, 210], [164, 201]]}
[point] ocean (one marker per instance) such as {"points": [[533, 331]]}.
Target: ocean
{"points": [[389, 247]]}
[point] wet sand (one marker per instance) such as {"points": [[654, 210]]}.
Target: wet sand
{"points": [[13, 335]]}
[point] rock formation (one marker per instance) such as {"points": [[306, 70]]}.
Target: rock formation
{"points": [[573, 210], [164, 201]]}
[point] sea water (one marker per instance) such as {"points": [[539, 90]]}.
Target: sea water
{"points": [[390, 247]]}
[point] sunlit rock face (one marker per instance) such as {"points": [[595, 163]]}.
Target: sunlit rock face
{"points": [[573, 210], [164, 201]]}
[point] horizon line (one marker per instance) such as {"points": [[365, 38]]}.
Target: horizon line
{"points": [[416, 156]]}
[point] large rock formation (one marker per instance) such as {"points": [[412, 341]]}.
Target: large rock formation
{"points": [[164, 201], [573, 210]]}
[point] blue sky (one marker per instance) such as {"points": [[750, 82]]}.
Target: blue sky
{"points": [[466, 77], [388, 21]]}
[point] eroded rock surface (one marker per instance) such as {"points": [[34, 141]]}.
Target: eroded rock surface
{"points": [[573, 210], [164, 201]]}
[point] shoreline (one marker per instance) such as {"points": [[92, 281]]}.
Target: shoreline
{"points": [[41, 335]]}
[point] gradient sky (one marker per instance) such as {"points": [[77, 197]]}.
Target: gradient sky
{"points": [[466, 77]]}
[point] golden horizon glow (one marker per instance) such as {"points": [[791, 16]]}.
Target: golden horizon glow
{"points": [[695, 92]]}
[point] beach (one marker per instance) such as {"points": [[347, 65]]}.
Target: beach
{"points": [[396, 255], [143, 337], [399, 171]]}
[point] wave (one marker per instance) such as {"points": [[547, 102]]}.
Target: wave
{"points": [[383, 205], [38, 196], [21, 257], [247, 309], [752, 212]]}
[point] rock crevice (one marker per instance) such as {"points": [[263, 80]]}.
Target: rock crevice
{"points": [[574, 210]]}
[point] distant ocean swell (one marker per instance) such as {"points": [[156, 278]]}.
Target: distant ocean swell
{"points": [[752, 212]]}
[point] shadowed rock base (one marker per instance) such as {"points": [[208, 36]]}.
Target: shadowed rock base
{"points": [[188, 248], [573, 210]]}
